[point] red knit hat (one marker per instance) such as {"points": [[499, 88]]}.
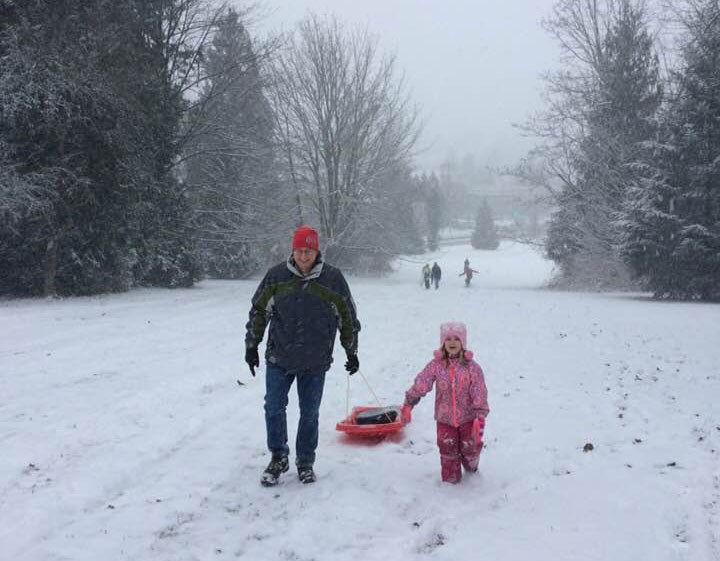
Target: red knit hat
{"points": [[306, 237]]}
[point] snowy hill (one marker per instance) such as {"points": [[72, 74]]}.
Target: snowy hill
{"points": [[125, 436]]}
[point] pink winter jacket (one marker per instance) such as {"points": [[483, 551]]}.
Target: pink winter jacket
{"points": [[460, 391]]}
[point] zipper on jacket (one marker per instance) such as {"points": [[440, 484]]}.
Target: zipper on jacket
{"points": [[454, 398]]}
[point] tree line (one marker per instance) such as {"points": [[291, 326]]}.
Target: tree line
{"points": [[630, 151], [155, 142]]}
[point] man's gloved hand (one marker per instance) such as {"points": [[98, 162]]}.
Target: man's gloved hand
{"points": [[406, 414], [252, 359], [352, 365]]}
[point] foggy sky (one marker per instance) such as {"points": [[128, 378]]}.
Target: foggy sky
{"points": [[472, 66]]}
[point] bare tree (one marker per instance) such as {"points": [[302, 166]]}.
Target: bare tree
{"points": [[600, 109], [345, 122]]}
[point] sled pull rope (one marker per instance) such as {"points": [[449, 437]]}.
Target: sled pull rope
{"points": [[369, 387], [347, 397]]}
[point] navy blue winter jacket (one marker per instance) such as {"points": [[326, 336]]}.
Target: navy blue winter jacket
{"points": [[304, 313]]}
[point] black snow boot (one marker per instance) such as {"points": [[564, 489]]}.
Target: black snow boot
{"points": [[278, 465], [306, 474]]}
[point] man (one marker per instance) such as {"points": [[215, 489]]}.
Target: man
{"points": [[436, 274], [306, 301], [426, 275]]}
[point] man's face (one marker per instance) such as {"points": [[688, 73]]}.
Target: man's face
{"points": [[304, 258]]}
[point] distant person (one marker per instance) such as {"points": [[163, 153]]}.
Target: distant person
{"points": [[305, 301], [426, 273], [468, 272], [436, 273], [460, 402]]}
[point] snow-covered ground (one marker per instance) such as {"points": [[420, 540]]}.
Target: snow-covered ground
{"points": [[124, 435]]}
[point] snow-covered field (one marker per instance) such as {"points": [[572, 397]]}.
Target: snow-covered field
{"points": [[124, 435]]}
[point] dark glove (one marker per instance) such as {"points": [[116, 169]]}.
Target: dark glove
{"points": [[352, 365], [252, 358]]}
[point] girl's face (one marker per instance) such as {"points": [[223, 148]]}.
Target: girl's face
{"points": [[453, 346]]}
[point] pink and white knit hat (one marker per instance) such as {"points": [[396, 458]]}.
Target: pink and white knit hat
{"points": [[456, 328]]}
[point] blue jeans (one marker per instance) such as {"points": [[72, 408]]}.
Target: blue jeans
{"points": [[310, 389]]}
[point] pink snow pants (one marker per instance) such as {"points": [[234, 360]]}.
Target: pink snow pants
{"points": [[458, 447]]}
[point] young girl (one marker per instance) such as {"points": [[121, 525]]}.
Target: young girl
{"points": [[468, 272], [460, 401]]}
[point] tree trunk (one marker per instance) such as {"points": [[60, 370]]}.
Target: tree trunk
{"points": [[51, 259]]}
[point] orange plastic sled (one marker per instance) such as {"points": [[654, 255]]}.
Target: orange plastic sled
{"points": [[350, 426]]}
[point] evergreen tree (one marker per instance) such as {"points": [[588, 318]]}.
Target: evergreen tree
{"points": [[171, 36], [232, 171], [603, 112], [435, 209], [64, 136], [484, 235], [673, 224], [92, 95]]}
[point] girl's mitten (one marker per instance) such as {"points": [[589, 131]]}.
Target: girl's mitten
{"points": [[478, 429]]}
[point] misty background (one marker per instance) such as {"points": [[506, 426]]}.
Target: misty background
{"points": [[474, 68], [158, 143]]}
